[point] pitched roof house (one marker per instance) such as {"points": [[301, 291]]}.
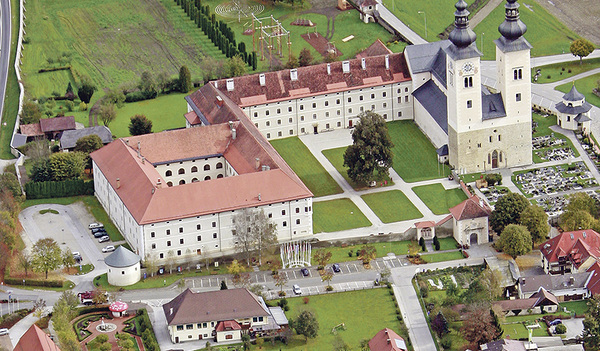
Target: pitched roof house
{"points": [[541, 301], [35, 339], [470, 219], [571, 252], [69, 137], [387, 340]]}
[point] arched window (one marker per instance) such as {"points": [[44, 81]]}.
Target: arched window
{"points": [[207, 178], [168, 173], [181, 182], [219, 165], [207, 167], [181, 171], [169, 183], [194, 180], [194, 169], [219, 176]]}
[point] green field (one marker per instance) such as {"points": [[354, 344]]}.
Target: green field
{"points": [[336, 157], [363, 313], [443, 256], [341, 253], [392, 206], [306, 166], [579, 307], [438, 199], [545, 33], [560, 71], [584, 86], [337, 215], [415, 158]]}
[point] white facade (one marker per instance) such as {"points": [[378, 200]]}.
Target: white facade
{"points": [[123, 276], [206, 330], [471, 231]]}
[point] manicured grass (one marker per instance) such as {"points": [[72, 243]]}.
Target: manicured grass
{"points": [[337, 215], [92, 205], [438, 199], [447, 243], [363, 313], [544, 124], [471, 177], [306, 166], [11, 99], [584, 86], [336, 157], [443, 256], [545, 32], [415, 158], [158, 281], [579, 307], [392, 206], [560, 71], [340, 254], [519, 331]]}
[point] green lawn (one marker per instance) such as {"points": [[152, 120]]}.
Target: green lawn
{"points": [[340, 254], [92, 205], [579, 307], [584, 86], [544, 124], [545, 32], [11, 99], [336, 157], [443, 256], [363, 313], [471, 177], [438, 199], [415, 158], [306, 166], [158, 281], [67, 285], [392, 206], [447, 243], [560, 71], [337, 215], [519, 331]]}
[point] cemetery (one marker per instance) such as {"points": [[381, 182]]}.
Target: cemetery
{"points": [[494, 193], [551, 148], [552, 180]]}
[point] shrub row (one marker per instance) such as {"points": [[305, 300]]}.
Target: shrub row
{"points": [[52, 189], [61, 68], [7, 321], [34, 282], [147, 332], [140, 95]]}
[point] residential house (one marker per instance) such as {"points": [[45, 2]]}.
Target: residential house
{"points": [[69, 137], [567, 287], [540, 302], [570, 252], [35, 339], [387, 340], [50, 128]]}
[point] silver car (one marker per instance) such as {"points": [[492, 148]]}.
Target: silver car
{"points": [[296, 289], [103, 239]]}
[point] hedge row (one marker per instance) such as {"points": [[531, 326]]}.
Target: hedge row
{"points": [[34, 282], [146, 331], [51, 189]]}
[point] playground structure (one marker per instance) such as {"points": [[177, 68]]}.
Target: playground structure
{"points": [[295, 254], [341, 326], [268, 36], [239, 9]]}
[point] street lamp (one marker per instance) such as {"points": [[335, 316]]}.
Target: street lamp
{"points": [[425, 16], [482, 41]]}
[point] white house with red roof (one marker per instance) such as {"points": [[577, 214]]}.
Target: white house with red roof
{"points": [[571, 252], [471, 221]]}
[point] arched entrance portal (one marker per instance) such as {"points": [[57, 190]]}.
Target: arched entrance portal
{"points": [[473, 239], [495, 159]]}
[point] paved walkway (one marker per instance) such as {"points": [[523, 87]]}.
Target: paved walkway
{"points": [[402, 29]]}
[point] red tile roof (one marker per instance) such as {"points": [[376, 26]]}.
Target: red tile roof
{"points": [[387, 340], [375, 49], [149, 203], [593, 285], [31, 130], [57, 124], [425, 224], [469, 209], [576, 246], [228, 325], [35, 339], [312, 80], [220, 305]]}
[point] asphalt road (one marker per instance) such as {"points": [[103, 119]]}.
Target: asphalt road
{"points": [[5, 31]]}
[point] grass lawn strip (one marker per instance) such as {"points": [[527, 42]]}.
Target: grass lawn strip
{"points": [[363, 313], [556, 72], [415, 158], [442, 256], [157, 281], [392, 206], [306, 166], [337, 215], [341, 254], [584, 86], [447, 243], [438, 199], [336, 157]]}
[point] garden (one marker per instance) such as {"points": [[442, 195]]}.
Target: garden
{"points": [[559, 71], [336, 157]]}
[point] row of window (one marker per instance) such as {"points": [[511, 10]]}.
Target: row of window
{"points": [[194, 169], [198, 325], [194, 180]]}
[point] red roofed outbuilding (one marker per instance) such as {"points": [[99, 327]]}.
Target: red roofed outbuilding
{"points": [[471, 221]]}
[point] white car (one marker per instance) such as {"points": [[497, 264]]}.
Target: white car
{"points": [[296, 289], [108, 248], [95, 225], [103, 239], [3, 331]]}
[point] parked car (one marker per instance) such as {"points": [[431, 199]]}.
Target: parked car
{"points": [[3, 331], [304, 272], [99, 234], [336, 267], [96, 230], [296, 289], [108, 248], [77, 257], [104, 239], [555, 322], [95, 225]]}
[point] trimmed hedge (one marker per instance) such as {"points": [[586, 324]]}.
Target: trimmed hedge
{"points": [[34, 282], [52, 189], [85, 310]]}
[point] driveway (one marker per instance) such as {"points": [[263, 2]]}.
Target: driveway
{"points": [[574, 327]]}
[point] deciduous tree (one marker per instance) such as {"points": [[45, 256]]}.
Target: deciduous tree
{"points": [[577, 219], [24, 261], [280, 281], [439, 324], [591, 325], [371, 149], [235, 66], [67, 258], [31, 113], [253, 230], [322, 256], [515, 240], [46, 256], [107, 113], [582, 48], [478, 326], [367, 253], [67, 165], [507, 211], [86, 90], [139, 125], [88, 144], [306, 324], [535, 219]]}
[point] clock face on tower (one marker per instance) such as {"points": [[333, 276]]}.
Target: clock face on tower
{"points": [[468, 68]]}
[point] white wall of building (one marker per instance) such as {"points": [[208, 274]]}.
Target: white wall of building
{"points": [[124, 276]]}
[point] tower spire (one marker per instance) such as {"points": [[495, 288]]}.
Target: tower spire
{"points": [[462, 36], [512, 28]]}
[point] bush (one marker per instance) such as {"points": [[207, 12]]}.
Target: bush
{"points": [[83, 106], [140, 96], [446, 343], [52, 189], [34, 282], [329, 288], [305, 300], [560, 329], [350, 253]]}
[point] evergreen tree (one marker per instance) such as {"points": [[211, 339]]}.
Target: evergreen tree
{"points": [[185, 80]]}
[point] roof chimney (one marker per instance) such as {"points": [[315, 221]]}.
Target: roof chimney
{"points": [[143, 160], [126, 141], [363, 63], [259, 197], [158, 183], [233, 133], [346, 66], [294, 74], [387, 61], [171, 311], [229, 84], [261, 79], [572, 280], [329, 69], [139, 149], [118, 183], [257, 163], [388, 341], [216, 84], [219, 101]]}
